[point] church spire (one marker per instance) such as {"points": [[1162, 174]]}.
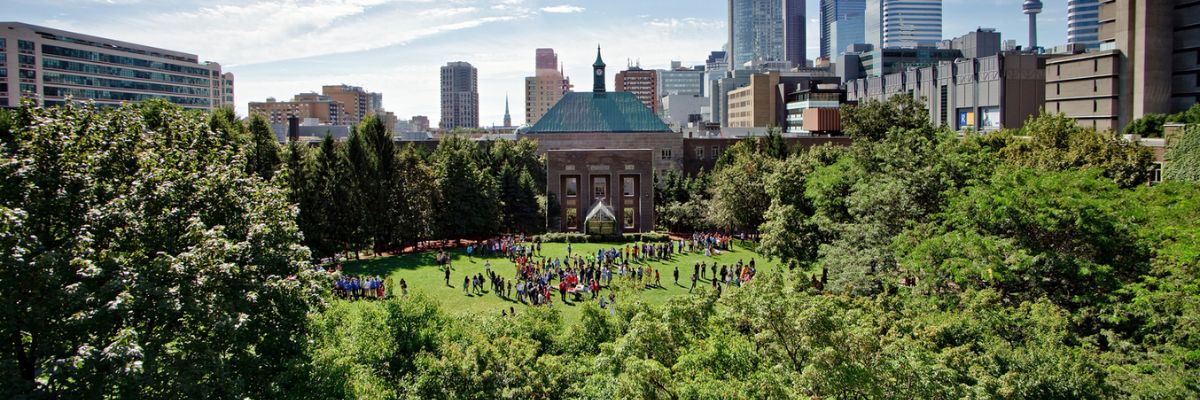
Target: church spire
{"points": [[507, 117], [598, 68]]}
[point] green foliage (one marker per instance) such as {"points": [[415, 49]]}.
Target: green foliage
{"points": [[1057, 143], [1182, 159], [562, 237], [681, 202], [872, 119], [469, 204], [141, 260], [738, 187], [1149, 125]]}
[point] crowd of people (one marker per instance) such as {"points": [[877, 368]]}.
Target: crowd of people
{"points": [[576, 276]]}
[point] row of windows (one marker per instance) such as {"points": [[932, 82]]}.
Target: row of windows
{"points": [[121, 72], [112, 59], [111, 46], [600, 186], [122, 84], [24, 45], [52, 91]]}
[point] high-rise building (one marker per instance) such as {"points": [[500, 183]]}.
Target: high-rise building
{"points": [[545, 87], [48, 65], [460, 96], [420, 123], [643, 83], [1083, 22], [680, 81], [841, 25], [358, 102], [1149, 52], [766, 30], [903, 23]]}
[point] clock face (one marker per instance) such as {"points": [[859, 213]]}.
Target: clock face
{"points": [[599, 72]]}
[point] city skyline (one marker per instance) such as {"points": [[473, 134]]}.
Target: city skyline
{"points": [[354, 42]]}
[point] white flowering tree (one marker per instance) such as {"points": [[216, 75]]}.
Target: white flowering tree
{"points": [[139, 259]]}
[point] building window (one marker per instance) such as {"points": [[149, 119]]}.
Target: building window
{"points": [[572, 187], [599, 187], [715, 151], [1096, 65], [627, 186], [572, 218], [1095, 106], [24, 45], [666, 154], [1057, 88], [1156, 173], [629, 217], [699, 152]]}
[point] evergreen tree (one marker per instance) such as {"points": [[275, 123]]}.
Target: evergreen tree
{"points": [[263, 158]]}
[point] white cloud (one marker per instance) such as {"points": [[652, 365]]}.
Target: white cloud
{"points": [[562, 9], [250, 32]]}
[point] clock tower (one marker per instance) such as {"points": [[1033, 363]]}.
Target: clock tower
{"points": [[598, 72]]}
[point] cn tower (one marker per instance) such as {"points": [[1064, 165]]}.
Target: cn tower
{"points": [[1032, 8]]}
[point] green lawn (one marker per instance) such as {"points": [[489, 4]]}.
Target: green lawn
{"points": [[424, 276]]}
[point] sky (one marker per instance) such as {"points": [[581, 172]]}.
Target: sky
{"points": [[278, 48]]}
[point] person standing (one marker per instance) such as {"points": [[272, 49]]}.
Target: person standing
{"points": [[676, 275], [693, 283]]}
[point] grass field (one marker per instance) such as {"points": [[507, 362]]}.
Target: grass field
{"points": [[423, 275]]}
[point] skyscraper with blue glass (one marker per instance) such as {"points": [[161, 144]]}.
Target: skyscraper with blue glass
{"points": [[766, 30], [841, 25], [1083, 22], [903, 23]]}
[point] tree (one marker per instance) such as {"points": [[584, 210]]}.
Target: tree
{"points": [[871, 120], [470, 205], [739, 196], [263, 158], [140, 259], [1149, 125], [1057, 143]]}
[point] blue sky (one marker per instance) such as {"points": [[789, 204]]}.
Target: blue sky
{"points": [[282, 47]]}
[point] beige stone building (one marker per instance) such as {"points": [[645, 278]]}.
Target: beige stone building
{"points": [[1148, 62], [358, 103], [752, 106], [305, 105]]}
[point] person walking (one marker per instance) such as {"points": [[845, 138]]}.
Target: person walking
{"points": [[693, 283], [676, 275]]}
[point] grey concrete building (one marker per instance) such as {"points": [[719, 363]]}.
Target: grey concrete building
{"points": [[989, 93], [460, 96], [1148, 62]]}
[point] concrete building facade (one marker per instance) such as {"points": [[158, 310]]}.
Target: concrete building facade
{"points": [[1148, 62], [981, 94], [49, 65], [460, 96]]}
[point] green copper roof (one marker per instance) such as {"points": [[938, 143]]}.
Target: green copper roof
{"points": [[599, 112]]}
